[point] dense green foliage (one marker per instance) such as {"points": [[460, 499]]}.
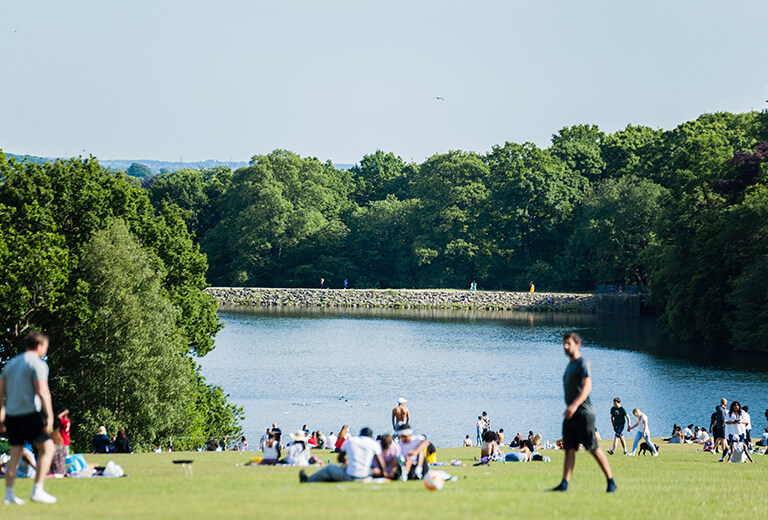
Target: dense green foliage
{"points": [[118, 286], [681, 211]]}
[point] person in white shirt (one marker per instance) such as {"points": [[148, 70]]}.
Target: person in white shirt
{"points": [[740, 453], [358, 453], [748, 426], [298, 452], [687, 432], [414, 449], [242, 445], [702, 437], [735, 426], [643, 432], [330, 441]]}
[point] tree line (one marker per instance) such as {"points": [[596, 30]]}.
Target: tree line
{"points": [[676, 210]]}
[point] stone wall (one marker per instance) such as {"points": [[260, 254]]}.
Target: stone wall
{"points": [[404, 299]]}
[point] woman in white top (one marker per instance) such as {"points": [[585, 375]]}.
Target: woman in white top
{"points": [[642, 432], [735, 424]]}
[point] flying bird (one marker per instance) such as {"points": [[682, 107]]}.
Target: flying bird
{"points": [[439, 98]]}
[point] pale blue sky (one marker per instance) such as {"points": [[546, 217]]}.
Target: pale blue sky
{"points": [[338, 79]]}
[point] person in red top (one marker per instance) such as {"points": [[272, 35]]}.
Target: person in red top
{"points": [[65, 425]]}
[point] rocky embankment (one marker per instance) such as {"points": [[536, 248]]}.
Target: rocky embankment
{"points": [[405, 299]]}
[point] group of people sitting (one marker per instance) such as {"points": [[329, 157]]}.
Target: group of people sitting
{"points": [[404, 456], [490, 449], [118, 444], [689, 435]]}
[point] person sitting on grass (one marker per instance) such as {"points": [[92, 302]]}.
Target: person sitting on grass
{"points": [[122, 443], [524, 453], [298, 451], [101, 441], [740, 452], [413, 448], [358, 453], [271, 451], [490, 447], [467, 442], [678, 437], [701, 436], [517, 441], [390, 454], [59, 461]]}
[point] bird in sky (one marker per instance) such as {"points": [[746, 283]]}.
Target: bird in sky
{"points": [[439, 98]]}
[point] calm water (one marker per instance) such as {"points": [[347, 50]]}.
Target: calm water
{"points": [[326, 368]]}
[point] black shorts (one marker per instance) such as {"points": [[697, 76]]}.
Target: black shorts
{"points": [[618, 431], [26, 428], [579, 429], [718, 432]]}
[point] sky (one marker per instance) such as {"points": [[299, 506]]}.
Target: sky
{"points": [[338, 79]]}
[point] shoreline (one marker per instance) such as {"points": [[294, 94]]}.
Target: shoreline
{"points": [[405, 299]]}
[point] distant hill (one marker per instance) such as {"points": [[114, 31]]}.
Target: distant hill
{"points": [[155, 166]]}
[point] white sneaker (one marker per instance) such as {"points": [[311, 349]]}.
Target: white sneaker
{"points": [[43, 497], [13, 501]]}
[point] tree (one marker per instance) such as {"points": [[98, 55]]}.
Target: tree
{"points": [[533, 195], [579, 148], [378, 175], [140, 171], [451, 190], [276, 208], [612, 231]]}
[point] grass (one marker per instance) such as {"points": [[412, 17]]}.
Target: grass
{"points": [[680, 483]]}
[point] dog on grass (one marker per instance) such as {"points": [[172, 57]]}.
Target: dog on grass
{"points": [[644, 448]]}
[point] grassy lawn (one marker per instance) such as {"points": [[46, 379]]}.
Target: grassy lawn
{"points": [[680, 483]]}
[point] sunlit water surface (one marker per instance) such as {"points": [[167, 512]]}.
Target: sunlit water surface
{"points": [[326, 368]]}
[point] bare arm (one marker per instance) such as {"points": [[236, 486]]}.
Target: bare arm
{"points": [[382, 465], [421, 447], [586, 388], [41, 389]]}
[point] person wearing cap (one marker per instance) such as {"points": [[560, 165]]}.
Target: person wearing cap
{"points": [[400, 414], [298, 452], [618, 421], [413, 448], [358, 453]]}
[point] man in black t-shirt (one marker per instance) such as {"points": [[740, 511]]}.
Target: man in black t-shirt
{"points": [[618, 421], [579, 423]]}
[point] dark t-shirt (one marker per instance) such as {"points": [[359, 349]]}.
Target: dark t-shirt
{"points": [[721, 417], [619, 415], [575, 372]]}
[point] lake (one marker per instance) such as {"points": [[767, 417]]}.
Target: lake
{"points": [[330, 367]]}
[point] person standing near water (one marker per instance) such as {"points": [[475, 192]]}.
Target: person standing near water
{"points": [[400, 414], [619, 418], [579, 423]]}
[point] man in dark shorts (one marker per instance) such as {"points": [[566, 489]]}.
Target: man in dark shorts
{"points": [[579, 423], [27, 416], [718, 432], [618, 421]]}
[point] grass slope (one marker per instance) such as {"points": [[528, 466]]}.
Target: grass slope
{"points": [[680, 483]]}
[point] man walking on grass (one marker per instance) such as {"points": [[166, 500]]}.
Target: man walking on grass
{"points": [[28, 415], [618, 421], [579, 423]]}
